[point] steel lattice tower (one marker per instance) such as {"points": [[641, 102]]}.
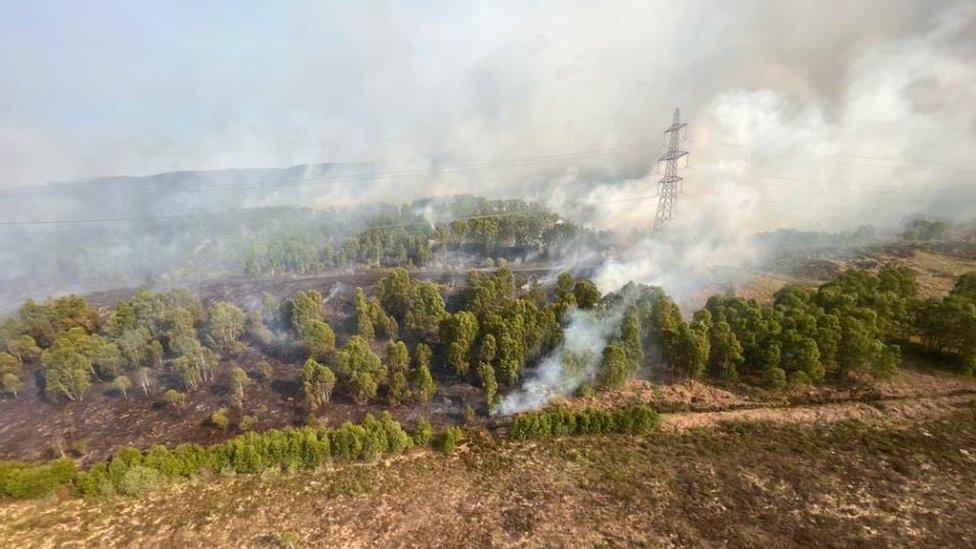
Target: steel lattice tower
{"points": [[669, 184]]}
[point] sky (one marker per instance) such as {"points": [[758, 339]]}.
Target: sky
{"points": [[106, 88], [785, 99]]}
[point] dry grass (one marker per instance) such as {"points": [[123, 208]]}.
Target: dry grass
{"points": [[840, 483]]}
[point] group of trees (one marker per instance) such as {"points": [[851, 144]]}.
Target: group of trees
{"points": [[409, 238], [948, 324], [76, 346], [502, 326], [851, 325], [356, 365], [135, 472], [561, 421]]}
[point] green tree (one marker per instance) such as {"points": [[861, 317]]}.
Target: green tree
{"points": [[67, 372], [458, 332], [319, 340], [220, 418], [176, 399], [687, 349], [615, 367], [586, 293], [422, 355], [305, 307], [361, 368], [11, 384], [725, 351], [425, 310], [630, 338], [225, 324], [122, 384], [239, 380], [318, 381], [489, 386], [394, 292], [24, 348]]}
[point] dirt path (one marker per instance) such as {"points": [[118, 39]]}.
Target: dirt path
{"points": [[898, 410]]}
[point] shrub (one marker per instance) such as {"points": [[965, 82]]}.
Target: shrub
{"points": [[220, 418], [422, 432], [140, 480], [448, 440], [23, 480], [774, 378], [564, 422], [133, 472]]}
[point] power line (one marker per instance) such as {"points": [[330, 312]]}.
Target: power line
{"points": [[813, 181], [668, 186], [245, 212], [855, 156], [364, 176]]}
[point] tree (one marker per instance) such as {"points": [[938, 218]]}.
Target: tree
{"points": [[487, 349], [615, 367], [362, 369], [397, 356], [422, 355], [239, 380], [24, 348], [458, 332], [425, 310], [687, 349], [423, 384], [174, 398], [122, 384], [489, 386], [319, 340], [394, 292], [318, 381], [398, 390], [220, 418], [630, 337], [225, 324], [725, 351], [67, 372], [11, 384], [305, 307], [586, 293]]}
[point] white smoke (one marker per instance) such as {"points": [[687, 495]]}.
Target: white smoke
{"points": [[765, 159], [575, 362]]}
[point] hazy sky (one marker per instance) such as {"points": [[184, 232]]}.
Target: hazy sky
{"points": [[99, 88]]}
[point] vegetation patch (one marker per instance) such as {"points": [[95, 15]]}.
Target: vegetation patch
{"points": [[564, 422]]}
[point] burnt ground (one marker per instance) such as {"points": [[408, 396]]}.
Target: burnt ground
{"points": [[32, 429]]}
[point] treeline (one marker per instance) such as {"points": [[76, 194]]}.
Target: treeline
{"points": [[853, 325], [498, 329], [134, 472], [565, 422], [410, 238], [76, 346]]}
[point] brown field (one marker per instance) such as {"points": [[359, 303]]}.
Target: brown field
{"points": [[897, 479]]}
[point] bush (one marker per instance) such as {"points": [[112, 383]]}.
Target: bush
{"points": [[448, 440], [220, 418], [774, 378], [140, 480], [422, 432], [132, 472], [23, 480], [563, 422]]}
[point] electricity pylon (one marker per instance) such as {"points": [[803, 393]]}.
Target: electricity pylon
{"points": [[669, 184]]}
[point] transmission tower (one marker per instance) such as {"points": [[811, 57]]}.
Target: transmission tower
{"points": [[669, 184]]}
